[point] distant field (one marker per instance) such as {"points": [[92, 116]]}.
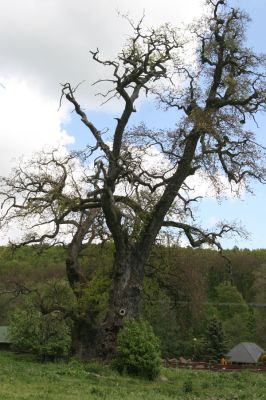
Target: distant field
{"points": [[23, 378]]}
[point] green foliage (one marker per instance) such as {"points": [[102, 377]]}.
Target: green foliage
{"points": [[138, 350], [24, 329], [175, 297], [55, 338], [43, 326], [55, 295], [198, 350], [159, 312], [236, 330], [47, 336], [238, 319], [263, 358], [215, 342], [259, 286], [229, 301], [188, 386], [95, 298]]}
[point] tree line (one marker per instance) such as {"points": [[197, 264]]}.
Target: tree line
{"points": [[184, 289]]}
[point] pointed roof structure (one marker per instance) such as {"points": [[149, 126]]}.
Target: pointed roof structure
{"points": [[245, 353]]}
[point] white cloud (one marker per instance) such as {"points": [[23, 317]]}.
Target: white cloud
{"points": [[203, 186], [29, 121], [48, 41]]}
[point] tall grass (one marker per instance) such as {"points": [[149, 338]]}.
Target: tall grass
{"points": [[22, 378]]}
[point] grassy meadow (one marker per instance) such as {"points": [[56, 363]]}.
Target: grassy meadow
{"points": [[23, 378]]}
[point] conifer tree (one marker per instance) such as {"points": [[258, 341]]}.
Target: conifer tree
{"points": [[214, 340]]}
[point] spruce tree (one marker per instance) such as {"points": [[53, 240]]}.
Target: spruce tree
{"points": [[214, 340]]}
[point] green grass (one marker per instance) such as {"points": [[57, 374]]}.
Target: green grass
{"points": [[22, 378]]}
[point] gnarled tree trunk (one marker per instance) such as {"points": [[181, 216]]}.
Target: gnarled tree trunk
{"points": [[124, 297]]}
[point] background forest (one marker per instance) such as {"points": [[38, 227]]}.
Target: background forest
{"points": [[183, 290]]}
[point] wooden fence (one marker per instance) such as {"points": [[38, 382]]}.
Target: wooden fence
{"points": [[201, 365]]}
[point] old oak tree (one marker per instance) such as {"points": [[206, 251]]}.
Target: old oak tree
{"points": [[111, 191]]}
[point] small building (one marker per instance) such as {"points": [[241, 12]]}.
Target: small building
{"points": [[245, 353], [5, 342]]}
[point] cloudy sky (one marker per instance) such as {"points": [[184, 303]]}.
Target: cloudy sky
{"points": [[47, 42]]}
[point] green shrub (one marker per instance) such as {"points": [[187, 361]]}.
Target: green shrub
{"points": [[55, 339], [263, 358], [188, 386], [138, 350], [42, 327], [24, 329], [48, 336]]}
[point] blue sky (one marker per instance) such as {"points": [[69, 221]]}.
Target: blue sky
{"points": [[47, 42]]}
